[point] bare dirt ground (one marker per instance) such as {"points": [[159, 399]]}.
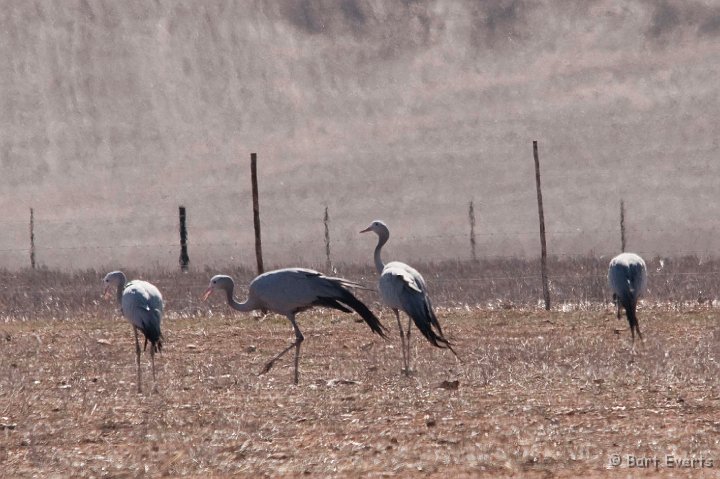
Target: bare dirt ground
{"points": [[536, 394]]}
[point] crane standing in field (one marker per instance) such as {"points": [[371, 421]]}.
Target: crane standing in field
{"points": [[403, 288], [290, 291], [628, 276], [142, 306]]}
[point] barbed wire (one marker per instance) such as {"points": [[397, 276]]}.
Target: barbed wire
{"points": [[172, 220], [654, 277], [402, 239], [172, 249], [64, 244]]}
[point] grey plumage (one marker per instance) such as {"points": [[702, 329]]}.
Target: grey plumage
{"points": [[627, 276], [403, 288], [142, 305], [292, 290]]}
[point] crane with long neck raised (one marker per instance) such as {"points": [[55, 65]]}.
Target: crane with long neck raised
{"points": [[403, 288]]}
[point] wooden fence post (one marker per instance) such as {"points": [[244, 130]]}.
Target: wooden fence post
{"points": [[256, 213], [32, 238], [471, 215], [622, 226], [326, 221], [184, 258], [543, 246]]}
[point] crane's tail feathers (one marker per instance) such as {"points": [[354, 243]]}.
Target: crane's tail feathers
{"points": [[345, 299], [152, 333], [437, 340], [332, 303], [155, 346], [631, 287], [433, 319], [422, 314], [350, 284], [370, 318], [151, 329], [631, 311]]}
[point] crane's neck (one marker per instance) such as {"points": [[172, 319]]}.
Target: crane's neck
{"points": [[382, 239], [245, 307], [120, 288]]}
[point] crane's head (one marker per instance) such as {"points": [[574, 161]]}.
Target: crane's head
{"points": [[379, 228], [112, 281], [218, 282]]}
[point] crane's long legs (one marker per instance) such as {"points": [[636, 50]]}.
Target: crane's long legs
{"points": [[633, 329], [297, 360], [137, 360], [407, 344], [406, 366], [616, 301], [152, 361], [299, 338]]}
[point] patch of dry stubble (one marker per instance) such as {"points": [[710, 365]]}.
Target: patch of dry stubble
{"points": [[537, 394]]}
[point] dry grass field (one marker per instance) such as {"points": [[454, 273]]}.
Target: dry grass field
{"points": [[536, 394]]}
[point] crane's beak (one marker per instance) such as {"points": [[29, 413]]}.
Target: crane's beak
{"points": [[207, 293], [369, 228], [106, 293]]}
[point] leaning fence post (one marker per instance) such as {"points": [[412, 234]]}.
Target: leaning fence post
{"points": [[543, 246], [184, 258], [256, 213]]}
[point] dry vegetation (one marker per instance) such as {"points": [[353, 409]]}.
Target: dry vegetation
{"points": [[536, 394]]}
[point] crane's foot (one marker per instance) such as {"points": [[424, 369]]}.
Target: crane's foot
{"points": [[268, 366]]}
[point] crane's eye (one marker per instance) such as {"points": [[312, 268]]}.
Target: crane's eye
{"points": [[214, 281]]}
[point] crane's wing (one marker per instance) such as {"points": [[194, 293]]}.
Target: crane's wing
{"points": [[638, 277], [627, 276], [142, 305], [295, 289], [402, 289]]}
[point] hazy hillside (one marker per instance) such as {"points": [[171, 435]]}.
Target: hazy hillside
{"points": [[114, 113]]}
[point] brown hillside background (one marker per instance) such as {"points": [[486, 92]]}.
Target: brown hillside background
{"points": [[114, 113]]}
